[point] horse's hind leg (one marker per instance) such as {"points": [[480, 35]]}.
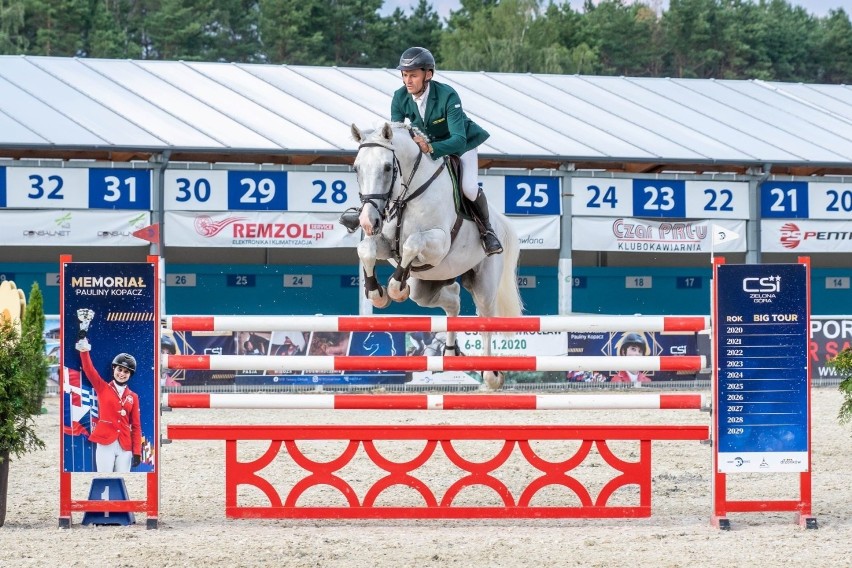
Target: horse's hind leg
{"points": [[482, 284], [442, 294], [368, 252]]}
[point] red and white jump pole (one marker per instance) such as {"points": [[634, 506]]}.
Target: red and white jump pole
{"points": [[435, 401], [324, 363], [434, 323]]}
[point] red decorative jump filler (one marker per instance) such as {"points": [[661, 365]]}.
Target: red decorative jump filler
{"points": [[578, 501], [551, 455]]}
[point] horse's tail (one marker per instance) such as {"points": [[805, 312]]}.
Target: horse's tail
{"points": [[509, 303]]}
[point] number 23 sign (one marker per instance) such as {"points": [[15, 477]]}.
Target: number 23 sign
{"points": [[660, 198]]}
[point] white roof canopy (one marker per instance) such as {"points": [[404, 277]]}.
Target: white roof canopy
{"points": [[122, 110]]}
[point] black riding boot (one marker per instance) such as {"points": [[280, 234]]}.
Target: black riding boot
{"points": [[349, 219], [490, 242]]}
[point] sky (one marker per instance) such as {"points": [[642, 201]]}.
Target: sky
{"points": [[443, 7]]}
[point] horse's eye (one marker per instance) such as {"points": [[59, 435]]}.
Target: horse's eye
{"points": [[387, 167]]}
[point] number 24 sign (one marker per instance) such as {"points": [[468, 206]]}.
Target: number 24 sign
{"points": [[660, 198]]}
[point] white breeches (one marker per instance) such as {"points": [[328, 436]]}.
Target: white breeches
{"points": [[470, 174], [112, 457]]}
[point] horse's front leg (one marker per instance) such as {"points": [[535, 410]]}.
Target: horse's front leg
{"points": [[426, 247], [368, 252]]}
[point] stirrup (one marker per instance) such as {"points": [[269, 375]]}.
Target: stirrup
{"points": [[350, 220], [493, 247]]}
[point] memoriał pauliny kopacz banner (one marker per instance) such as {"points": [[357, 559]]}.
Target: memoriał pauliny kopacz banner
{"points": [[110, 318]]}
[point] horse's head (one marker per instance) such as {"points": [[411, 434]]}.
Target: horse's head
{"points": [[377, 168]]}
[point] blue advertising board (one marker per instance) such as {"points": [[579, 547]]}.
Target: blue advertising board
{"points": [[762, 386]]}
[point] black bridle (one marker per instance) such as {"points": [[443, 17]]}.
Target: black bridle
{"points": [[395, 209], [383, 197]]}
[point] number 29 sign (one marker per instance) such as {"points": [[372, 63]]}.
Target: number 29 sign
{"points": [[259, 190]]}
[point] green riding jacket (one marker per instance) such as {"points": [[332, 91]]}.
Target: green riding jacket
{"points": [[449, 129]]}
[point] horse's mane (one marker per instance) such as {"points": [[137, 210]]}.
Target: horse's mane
{"points": [[410, 127], [377, 132]]}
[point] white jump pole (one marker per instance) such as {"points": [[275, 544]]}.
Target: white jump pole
{"points": [[254, 401], [422, 363], [683, 324]]}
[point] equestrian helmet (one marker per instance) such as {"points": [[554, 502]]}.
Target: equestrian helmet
{"points": [[416, 58], [125, 360], [167, 343], [633, 338]]}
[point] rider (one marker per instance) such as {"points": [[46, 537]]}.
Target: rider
{"points": [[435, 108]]}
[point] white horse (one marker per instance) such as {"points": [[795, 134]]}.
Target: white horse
{"points": [[409, 218]]}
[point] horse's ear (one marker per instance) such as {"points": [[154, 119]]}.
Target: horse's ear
{"points": [[356, 133], [387, 131]]}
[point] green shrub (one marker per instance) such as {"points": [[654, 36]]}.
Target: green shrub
{"points": [[32, 338], [843, 364], [17, 427]]}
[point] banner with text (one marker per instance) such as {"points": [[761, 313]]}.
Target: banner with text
{"points": [[805, 235], [257, 229], [55, 228], [625, 234], [537, 232]]}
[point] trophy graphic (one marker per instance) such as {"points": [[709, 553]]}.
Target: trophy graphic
{"points": [[85, 317]]}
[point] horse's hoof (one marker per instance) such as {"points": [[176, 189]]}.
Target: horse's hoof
{"points": [[493, 379], [396, 293], [380, 301], [452, 351]]}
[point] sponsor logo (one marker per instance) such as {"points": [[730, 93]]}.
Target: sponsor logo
{"points": [[63, 229], [277, 231], [665, 237], [765, 285], [531, 240], [792, 236], [45, 233], [207, 227], [762, 290]]}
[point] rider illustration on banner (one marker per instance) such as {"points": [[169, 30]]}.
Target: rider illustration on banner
{"points": [[117, 434], [436, 110], [632, 344]]}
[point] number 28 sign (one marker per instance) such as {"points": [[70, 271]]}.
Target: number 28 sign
{"points": [[257, 190]]}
